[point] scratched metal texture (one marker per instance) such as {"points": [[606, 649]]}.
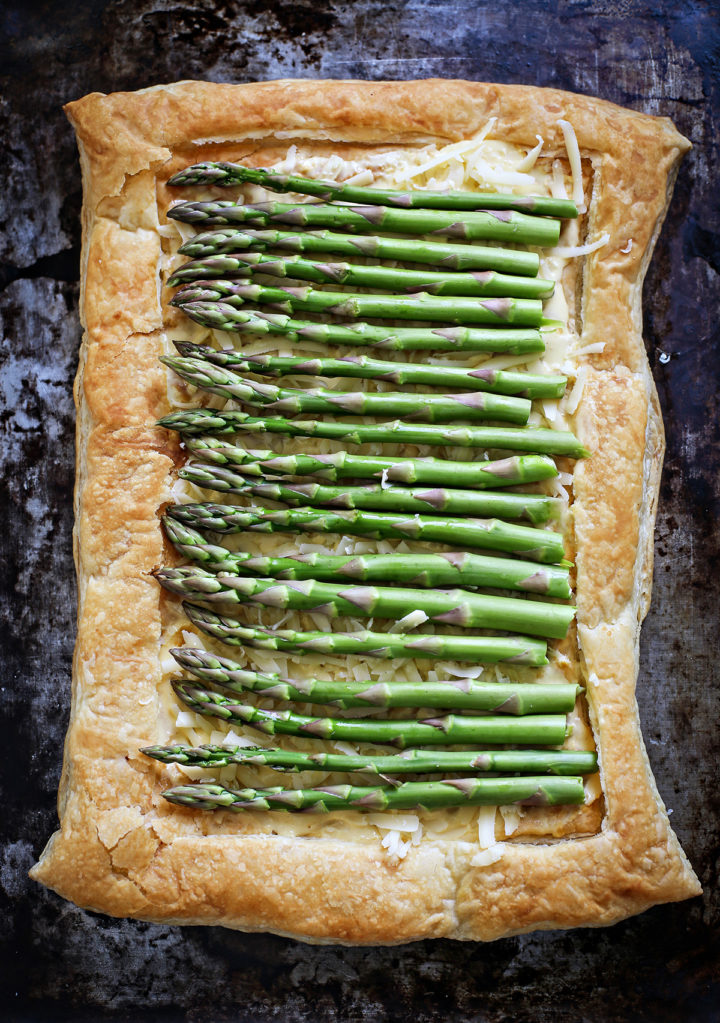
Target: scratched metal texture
{"points": [[60, 963]]}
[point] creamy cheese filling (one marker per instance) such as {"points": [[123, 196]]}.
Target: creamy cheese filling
{"points": [[481, 163]]}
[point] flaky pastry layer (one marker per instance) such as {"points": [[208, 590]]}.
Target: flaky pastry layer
{"points": [[120, 848]]}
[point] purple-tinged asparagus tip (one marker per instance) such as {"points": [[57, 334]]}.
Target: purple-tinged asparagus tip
{"points": [[539, 798], [482, 762], [489, 375], [436, 498], [442, 724], [500, 307], [509, 706], [504, 215], [465, 785], [538, 582], [373, 214], [457, 616]]}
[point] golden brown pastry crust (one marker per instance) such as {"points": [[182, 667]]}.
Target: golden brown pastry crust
{"points": [[120, 848]]}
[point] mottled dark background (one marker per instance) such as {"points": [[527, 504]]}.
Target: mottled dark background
{"points": [[60, 963]]}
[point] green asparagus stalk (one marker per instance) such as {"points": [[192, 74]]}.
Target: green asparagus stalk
{"points": [[547, 442], [457, 694], [452, 729], [411, 761], [407, 250], [474, 649], [535, 791], [536, 508], [503, 472], [536, 544], [480, 283], [446, 607], [428, 570], [432, 407], [498, 226], [221, 316], [427, 795], [225, 174], [526, 385], [498, 312]]}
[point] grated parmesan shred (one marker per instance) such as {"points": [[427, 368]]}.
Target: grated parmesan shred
{"points": [[572, 251], [530, 160], [474, 672], [593, 349], [395, 845], [559, 190], [572, 400], [573, 152], [192, 639], [410, 621], [486, 826], [593, 788], [511, 819]]}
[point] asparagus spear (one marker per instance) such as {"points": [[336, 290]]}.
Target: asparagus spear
{"points": [[452, 729], [549, 442], [407, 250], [536, 544], [503, 472], [480, 283], [226, 174], [536, 508], [427, 795], [446, 607], [457, 694], [411, 761], [527, 385], [474, 649], [499, 226], [432, 407], [498, 312], [221, 316], [431, 570]]}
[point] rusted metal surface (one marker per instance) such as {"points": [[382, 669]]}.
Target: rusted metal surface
{"points": [[60, 963]]}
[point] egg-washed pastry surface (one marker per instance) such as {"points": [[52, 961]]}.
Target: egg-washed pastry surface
{"points": [[384, 875]]}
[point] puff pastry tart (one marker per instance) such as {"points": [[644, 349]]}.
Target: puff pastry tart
{"points": [[359, 876]]}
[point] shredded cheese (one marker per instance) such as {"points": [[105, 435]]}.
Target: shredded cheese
{"points": [[192, 639], [550, 408], [458, 672], [572, 401], [593, 788], [529, 162], [455, 151], [362, 178], [486, 826], [593, 349], [558, 181], [511, 817], [410, 621], [572, 251], [573, 152], [395, 845], [486, 857]]}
